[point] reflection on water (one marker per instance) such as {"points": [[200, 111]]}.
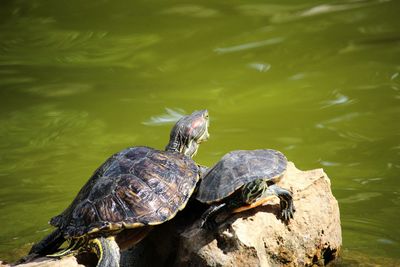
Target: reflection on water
{"points": [[261, 67], [248, 46], [340, 99], [48, 134], [191, 10], [62, 46], [80, 81], [170, 117], [359, 197], [59, 90], [305, 12], [327, 8]]}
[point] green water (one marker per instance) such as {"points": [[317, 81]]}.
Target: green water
{"points": [[318, 80]]}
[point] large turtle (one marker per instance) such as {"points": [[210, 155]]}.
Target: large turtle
{"points": [[132, 191], [244, 179]]}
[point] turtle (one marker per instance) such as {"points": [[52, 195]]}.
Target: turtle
{"points": [[131, 192], [241, 180]]}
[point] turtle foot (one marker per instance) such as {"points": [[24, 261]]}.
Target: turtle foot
{"points": [[287, 207]]}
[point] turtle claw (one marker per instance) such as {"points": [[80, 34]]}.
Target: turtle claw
{"points": [[287, 208], [287, 214]]}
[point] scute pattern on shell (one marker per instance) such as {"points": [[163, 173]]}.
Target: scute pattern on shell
{"points": [[238, 168], [137, 186]]}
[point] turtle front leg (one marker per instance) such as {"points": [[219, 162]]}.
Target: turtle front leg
{"points": [[286, 201], [107, 251], [208, 218]]}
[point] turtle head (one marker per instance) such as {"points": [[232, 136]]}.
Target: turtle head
{"points": [[188, 133]]}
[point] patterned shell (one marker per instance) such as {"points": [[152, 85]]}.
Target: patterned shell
{"points": [[238, 168], [135, 187]]}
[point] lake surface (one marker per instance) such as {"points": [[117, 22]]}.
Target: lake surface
{"points": [[317, 80]]}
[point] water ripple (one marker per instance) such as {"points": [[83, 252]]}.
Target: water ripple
{"points": [[351, 135], [327, 8], [359, 197], [261, 67], [345, 117], [47, 135], [320, 10], [247, 46], [33, 43], [266, 9], [192, 11], [60, 90], [356, 137], [364, 181], [297, 76], [329, 163], [340, 99]]}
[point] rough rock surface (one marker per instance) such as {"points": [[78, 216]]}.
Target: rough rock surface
{"points": [[252, 238], [47, 262], [258, 238]]}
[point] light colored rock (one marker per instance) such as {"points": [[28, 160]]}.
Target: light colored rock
{"points": [[252, 238], [258, 238], [69, 261]]}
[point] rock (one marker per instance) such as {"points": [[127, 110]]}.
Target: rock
{"points": [[68, 261], [252, 238], [258, 238], [255, 237]]}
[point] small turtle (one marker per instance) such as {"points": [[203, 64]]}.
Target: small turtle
{"points": [[244, 179], [127, 195]]}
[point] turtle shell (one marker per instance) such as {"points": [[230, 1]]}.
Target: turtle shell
{"points": [[135, 187], [238, 168]]}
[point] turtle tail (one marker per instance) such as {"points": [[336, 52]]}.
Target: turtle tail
{"points": [[49, 244]]}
